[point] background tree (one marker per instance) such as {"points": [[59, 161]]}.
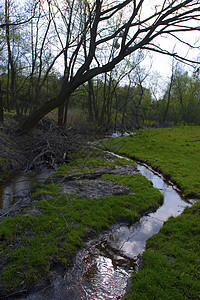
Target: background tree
{"points": [[136, 30], [167, 97], [71, 42]]}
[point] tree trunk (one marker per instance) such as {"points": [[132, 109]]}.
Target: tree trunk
{"points": [[32, 120], [90, 100], [168, 99], [11, 63], [60, 115], [65, 114], [1, 106], [138, 107]]}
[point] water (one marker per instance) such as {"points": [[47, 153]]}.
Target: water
{"points": [[103, 269], [17, 190], [126, 244]]}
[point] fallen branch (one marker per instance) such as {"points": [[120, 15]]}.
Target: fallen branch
{"points": [[6, 213], [36, 158]]}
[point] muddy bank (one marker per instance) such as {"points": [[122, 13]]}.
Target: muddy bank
{"points": [[16, 193], [76, 203], [102, 270]]}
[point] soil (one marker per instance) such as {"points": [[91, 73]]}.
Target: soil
{"points": [[92, 187]]}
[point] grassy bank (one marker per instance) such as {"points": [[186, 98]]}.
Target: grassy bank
{"points": [[172, 261], [55, 225], [175, 151], [171, 267]]}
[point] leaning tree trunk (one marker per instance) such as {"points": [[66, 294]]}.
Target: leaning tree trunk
{"points": [[33, 119]]}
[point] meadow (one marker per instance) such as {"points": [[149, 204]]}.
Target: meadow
{"points": [[173, 151], [171, 266]]}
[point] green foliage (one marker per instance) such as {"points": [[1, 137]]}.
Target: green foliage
{"points": [[184, 105], [175, 151]]}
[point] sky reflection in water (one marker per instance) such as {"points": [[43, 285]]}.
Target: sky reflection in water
{"points": [[107, 280]]}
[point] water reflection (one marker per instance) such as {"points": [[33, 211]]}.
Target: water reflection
{"points": [[107, 274], [102, 271], [18, 188], [108, 281]]}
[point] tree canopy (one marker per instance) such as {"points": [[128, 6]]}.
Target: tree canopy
{"points": [[84, 38]]}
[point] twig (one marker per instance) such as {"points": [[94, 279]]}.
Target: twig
{"points": [[11, 208], [38, 156], [64, 219]]}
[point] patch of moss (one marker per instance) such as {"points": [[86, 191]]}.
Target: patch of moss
{"points": [[30, 244], [89, 161]]}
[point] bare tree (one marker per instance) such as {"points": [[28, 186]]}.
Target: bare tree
{"points": [[168, 94], [11, 66], [95, 25], [12, 19], [1, 106]]}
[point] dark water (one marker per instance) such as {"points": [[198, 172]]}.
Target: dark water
{"points": [[17, 190], [102, 270]]}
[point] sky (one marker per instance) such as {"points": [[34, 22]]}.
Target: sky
{"points": [[162, 64]]}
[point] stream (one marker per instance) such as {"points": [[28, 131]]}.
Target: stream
{"points": [[102, 270], [17, 190]]}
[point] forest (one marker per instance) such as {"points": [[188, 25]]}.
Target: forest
{"points": [[83, 214], [59, 58]]}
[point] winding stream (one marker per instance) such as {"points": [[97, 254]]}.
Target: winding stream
{"points": [[103, 269]]}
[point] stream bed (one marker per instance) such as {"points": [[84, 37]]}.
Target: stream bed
{"points": [[103, 269], [17, 191]]}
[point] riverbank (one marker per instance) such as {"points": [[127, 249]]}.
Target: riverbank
{"points": [[171, 261], [79, 201], [46, 146], [88, 194], [172, 151]]}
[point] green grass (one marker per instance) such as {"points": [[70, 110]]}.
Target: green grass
{"points": [[175, 151], [89, 162], [172, 261], [56, 225]]}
